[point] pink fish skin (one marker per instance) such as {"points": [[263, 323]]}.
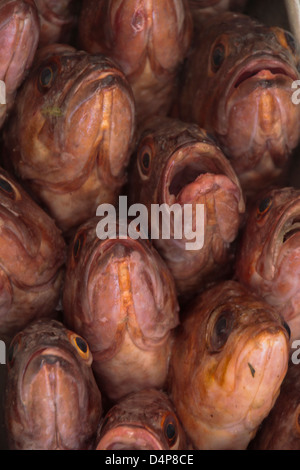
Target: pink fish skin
{"points": [[19, 36], [144, 420], [69, 170], [179, 163], [121, 297], [149, 39], [52, 401], [32, 259], [229, 359], [237, 84], [268, 257], [280, 430], [58, 19]]}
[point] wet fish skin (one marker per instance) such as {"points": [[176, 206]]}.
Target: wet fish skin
{"points": [[269, 250], [52, 401], [144, 420], [19, 36], [187, 167], [280, 429], [32, 258], [57, 20], [229, 359], [148, 39], [71, 171], [120, 296], [237, 84]]}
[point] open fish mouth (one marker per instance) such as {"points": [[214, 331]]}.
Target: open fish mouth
{"points": [[265, 70], [284, 238], [129, 437], [187, 164]]}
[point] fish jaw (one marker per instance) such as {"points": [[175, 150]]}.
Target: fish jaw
{"points": [[247, 375], [51, 373], [195, 174], [261, 119], [129, 437]]}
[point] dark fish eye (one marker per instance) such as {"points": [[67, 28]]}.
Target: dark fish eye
{"points": [[145, 160], [6, 188], [290, 41], [218, 56], [170, 429], [82, 344], [47, 77], [78, 244], [264, 206], [286, 326], [221, 330]]}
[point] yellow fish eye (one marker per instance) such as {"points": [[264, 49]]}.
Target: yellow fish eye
{"points": [[264, 207]]}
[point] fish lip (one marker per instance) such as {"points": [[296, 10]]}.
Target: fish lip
{"points": [[206, 150], [42, 351], [257, 62], [112, 436], [289, 212]]}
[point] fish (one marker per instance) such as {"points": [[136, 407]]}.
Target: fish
{"points": [[32, 259], [237, 84], [52, 401], [280, 429], [148, 39], [229, 358], [178, 163], [57, 20], [121, 297], [267, 257], [204, 9], [19, 37], [144, 420], [46, 144]]}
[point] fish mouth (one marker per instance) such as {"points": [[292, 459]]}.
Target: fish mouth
{"points": [[256, 367], [135, 281], [129, 437], [264, 69], [187, 164], [284, 239], [261, 71]]}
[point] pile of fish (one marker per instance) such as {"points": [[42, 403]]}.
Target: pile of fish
{"points": [[132, 343]]}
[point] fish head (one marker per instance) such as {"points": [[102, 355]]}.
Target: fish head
{"points": [[237, 349], [181, 164], [19, 35], [246, 98], [68, 93], [32, 250], [143, 420], [271, 241], [121, 285], [139, 31], [49, 373]]}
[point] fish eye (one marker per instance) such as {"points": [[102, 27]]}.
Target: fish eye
{"points": [[145, 161], [78, 244], [170, 429], [80, 345], [290, 40], [263, 207], [285, 39], [14, 347], [6, 188], [286, 326], [47, 77], [222, 326], [218, 56]]}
